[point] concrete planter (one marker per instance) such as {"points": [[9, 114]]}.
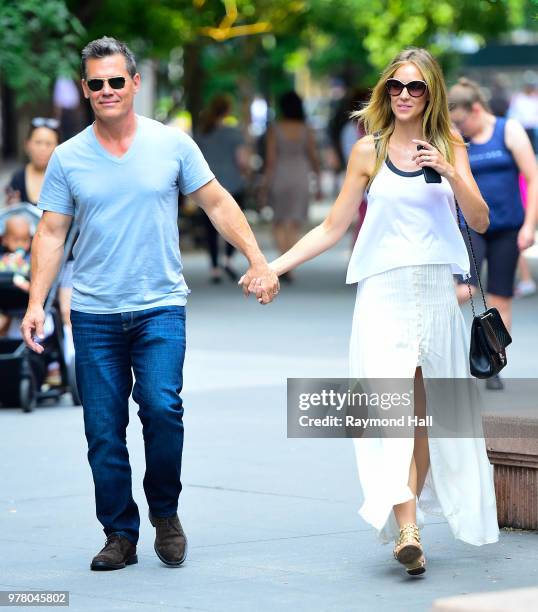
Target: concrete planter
{"points": [[512, 445]]}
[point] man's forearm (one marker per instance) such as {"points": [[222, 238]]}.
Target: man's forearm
{"points": [[47, 252], [233, 226]]}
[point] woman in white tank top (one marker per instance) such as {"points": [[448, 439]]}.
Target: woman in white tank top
{"points": [[407, 323]]}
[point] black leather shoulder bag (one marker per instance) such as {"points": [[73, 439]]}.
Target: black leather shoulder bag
{"points": [[489, 336]]}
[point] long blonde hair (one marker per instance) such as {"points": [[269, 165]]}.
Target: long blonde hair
{"points": [[378, 118]]}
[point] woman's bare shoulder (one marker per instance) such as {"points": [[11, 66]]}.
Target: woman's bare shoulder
{"points": [[366, 143], [456, 137], [363, 153]]}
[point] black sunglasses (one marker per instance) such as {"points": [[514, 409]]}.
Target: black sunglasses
{"points": [[52, 124], [416, 89], [114, 82]]}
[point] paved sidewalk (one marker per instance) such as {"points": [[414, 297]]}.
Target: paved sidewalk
{"points": [[272, 522]]}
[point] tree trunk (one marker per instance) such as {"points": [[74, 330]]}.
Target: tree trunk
{"points": [[194, 81], [8, 122]]}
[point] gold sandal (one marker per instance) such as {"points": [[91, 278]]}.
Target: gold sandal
{"points": [[417, 567], [408, 550]]}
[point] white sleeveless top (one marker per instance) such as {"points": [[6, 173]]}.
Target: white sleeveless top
{"points": [[408, 222]]}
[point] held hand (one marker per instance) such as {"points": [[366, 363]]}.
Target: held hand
{"points": [[32, 327], [431, 157], [262, 281], [255, 285], [525, 237]]}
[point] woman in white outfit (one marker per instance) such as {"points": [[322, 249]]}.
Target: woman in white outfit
{"points": [[407, 323]]}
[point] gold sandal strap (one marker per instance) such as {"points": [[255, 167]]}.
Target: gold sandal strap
{"points": [[409, 531]]}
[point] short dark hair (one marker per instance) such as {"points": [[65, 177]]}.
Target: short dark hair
{"points": [[291, 106], [105, 46], [40, 122]]}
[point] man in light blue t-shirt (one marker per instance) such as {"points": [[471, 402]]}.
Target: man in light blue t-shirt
{"points": [[119, 179]]}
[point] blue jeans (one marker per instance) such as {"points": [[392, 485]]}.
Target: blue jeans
{"points": [[109, 348]]}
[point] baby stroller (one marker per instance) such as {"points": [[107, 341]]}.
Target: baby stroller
{"points": [[23, 372]]}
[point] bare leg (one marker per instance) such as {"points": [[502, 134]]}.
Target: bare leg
{"points": [[407, 512], [523, 269], [279, 234], [292, 233], [420, 461], [504, 306], [286, 234], [408, 549], [421, 450]]}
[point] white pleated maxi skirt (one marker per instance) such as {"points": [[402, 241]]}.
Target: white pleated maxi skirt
{"points": [[404, 318]]}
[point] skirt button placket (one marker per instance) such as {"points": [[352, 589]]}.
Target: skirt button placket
{"points": [[417, 281]]}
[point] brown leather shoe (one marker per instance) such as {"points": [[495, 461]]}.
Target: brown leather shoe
{"points": [[170, 540], [116, 554]]}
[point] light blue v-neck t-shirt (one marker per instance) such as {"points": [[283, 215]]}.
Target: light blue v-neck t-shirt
{"points": [[127, 254]]}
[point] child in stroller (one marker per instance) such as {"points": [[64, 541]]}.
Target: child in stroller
{"points": [[15, 258], [24, 376]]}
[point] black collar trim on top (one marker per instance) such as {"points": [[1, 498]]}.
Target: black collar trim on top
{"points": [[402, 172]]}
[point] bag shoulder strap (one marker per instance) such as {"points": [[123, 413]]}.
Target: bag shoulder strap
{"points": [[460, 214]]}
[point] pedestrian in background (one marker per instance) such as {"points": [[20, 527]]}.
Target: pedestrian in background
{"points": [[225, 150], [66, 100], [26, 182], [524, 109], [499, 150], [498, 98], [25, 186], [291, 157], [351, 130]]}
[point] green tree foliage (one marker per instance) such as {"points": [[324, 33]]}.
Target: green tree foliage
{"points": [[392, 25], [156, 26], [355, 38], [39, 41], [153, 28]]}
